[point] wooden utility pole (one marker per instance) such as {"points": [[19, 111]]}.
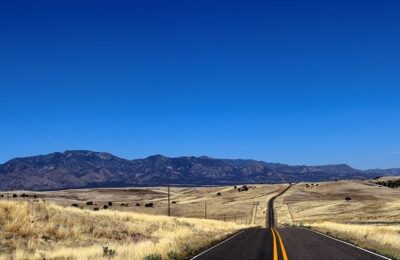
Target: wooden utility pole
{"points": [[205, 210], [169, 204]]}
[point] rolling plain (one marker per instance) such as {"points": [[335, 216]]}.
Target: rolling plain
{"points": [[115, 222]]}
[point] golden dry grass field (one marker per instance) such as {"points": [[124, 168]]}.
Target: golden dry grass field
{"points": [[42, 230], [44, 225], [223, 203], [371, 219]]}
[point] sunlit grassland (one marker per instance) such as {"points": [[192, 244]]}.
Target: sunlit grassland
{"points": [[38, 230]]}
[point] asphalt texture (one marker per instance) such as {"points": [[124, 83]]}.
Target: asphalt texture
{"points": [[252, 244], [303, 244]]}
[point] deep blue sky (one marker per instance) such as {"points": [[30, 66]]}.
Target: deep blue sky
{"points": [[314, 82]]}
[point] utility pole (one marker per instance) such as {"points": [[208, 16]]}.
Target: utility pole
{"points": [[169, 204], [205, 210]]}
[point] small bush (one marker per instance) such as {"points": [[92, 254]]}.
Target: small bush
{"points": [[137, 204], [149, 205], [188, 249], [218, 193], [15, 195], [96, 209], [153, 257], [89, 203], [108, 251], [172, 255], [347, 199], [243, 188], [110, 203], [105, 207], [174, 202], [75, 205]]}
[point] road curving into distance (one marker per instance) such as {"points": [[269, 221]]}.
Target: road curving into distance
{"points": [[274, 243]]}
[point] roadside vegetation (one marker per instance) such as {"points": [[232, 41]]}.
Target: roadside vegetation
{"points": [[42, 230], [382, 238]]}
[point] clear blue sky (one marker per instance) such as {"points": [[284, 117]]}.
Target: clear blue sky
{"points": [[314, 82]]}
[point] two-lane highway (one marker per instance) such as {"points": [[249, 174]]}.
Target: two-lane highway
{"points": [[274, 243]]}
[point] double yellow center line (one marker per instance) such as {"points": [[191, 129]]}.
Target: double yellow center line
{"points": [[275, 248]]}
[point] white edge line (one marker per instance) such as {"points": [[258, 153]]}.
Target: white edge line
{"points": [[220, 243], [347, 243]]}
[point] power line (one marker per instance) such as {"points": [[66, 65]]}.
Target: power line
{"points": [[33, 130]]}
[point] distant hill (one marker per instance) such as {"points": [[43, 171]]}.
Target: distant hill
{"points": [[87, 169]]}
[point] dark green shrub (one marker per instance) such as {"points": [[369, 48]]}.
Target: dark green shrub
{"points": [[153, 257]]}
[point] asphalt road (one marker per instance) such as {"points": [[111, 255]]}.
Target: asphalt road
{"points": [[305, 244], [282, 244], [251, 244]]}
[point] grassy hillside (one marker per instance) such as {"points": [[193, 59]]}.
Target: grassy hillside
{"points": [[38, 230]]}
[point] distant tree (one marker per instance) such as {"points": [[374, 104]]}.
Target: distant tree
{"points": [[89, 203], [105, 207], [137, 204], [75, 205], [15, 195], [96, 209], [174, 202], [110, 203], [347, 199], [218, 193], [243, 188], [149, 205]]}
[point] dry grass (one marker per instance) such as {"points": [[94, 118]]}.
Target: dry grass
{"points": [[371, 219], [382, 238], [231, 205], [37, 230]]}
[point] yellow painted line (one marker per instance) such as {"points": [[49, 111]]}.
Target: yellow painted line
{"points": [[282, 246], [275, 252]]}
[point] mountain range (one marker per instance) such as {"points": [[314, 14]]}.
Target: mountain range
{"points": [[88, 169]]}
